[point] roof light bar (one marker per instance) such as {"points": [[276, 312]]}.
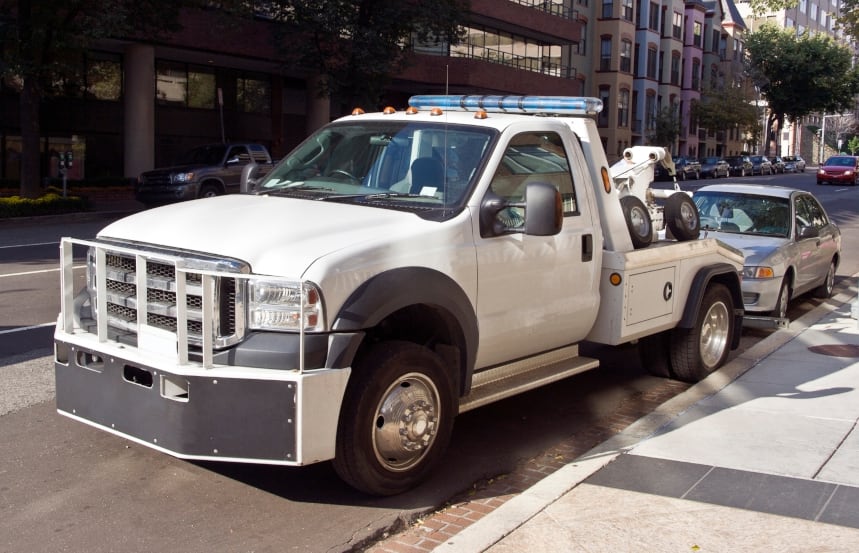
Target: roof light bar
{"points": [[568, 105]]}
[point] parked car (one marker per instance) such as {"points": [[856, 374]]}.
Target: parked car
{"points": [[203, 172], [839, 170], [794, 164], [684, 168], [761, 165], [714, 167], [790, 245], [687, 168], [778, 164], [739, 165]]}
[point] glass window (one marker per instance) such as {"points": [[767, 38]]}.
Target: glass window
{"points": [[171, 83], [253, 95], [626, 56], [605, 54], [602, 118], [654, 17], [533, 157], [607, 9], [623, 108], [677, 25], [201, 89], [652, 56], [627, 9]]}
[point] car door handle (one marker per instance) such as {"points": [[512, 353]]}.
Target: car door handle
{"points": [[587, 247]]}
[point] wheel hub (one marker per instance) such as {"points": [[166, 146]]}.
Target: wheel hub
{"points": [[406, 422]]}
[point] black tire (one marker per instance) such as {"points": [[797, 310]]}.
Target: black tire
{"points": [[209, 191], [825, 290], [743, 172], [697, 175], [637, 221], [655, 355], [783, 300], [682, 217], [698, 351], [396, 418]]}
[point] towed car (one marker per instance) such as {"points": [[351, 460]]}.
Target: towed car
{"points": [[714, 167], [790, 244]]}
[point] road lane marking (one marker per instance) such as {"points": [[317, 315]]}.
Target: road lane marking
{"points": [[29, 245], [24, 328], [27, 273]]}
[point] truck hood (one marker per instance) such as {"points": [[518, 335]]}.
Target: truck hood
{"points": [[275, 235]]}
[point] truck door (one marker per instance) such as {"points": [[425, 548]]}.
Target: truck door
{"points": [[537, 293]]}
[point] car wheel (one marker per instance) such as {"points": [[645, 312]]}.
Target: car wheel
{"points": [[209, 191], [743, 172], [682, 217], [698, 351], [825, 290], [396, 419], [781, 303]]}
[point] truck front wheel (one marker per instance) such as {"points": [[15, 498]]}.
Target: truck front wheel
{"points": [[698, 351], [396, 418]]}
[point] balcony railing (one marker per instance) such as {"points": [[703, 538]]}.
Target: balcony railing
{"points": [[549, 7]]}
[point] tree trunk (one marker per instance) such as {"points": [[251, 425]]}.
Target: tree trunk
{"points": [[30, 148]]}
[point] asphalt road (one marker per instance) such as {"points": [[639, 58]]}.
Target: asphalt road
{"points": [[67, 487]]}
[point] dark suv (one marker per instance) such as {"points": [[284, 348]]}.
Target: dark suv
{"points": [[739, 165]]}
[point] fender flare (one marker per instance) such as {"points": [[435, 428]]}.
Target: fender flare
{"points": [[399, 288], [723, 273]]}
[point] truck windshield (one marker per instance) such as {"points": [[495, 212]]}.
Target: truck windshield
{"points": [[396, 164]]}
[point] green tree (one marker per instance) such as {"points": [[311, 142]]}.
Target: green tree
{"points": [[728, 108], [800, 75], [666, 128], [43, 43], [356, 46], [853, 145]]}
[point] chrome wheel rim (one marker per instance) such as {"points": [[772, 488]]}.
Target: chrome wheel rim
{"points": [[638, 220], [406, 422], [783, 299], [714, 333], [688, 215]]}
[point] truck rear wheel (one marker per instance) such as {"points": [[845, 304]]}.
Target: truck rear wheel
{"points": [[698, 351], [682, 217], [637, 221], [396, 418]]}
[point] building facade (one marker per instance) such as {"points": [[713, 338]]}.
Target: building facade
{"points": [[143, 103]]}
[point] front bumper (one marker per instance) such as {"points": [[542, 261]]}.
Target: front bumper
{"points": [[760, 295], [165, 194], [224, 413]]}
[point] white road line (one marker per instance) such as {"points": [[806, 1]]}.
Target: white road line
{"points": [[24, 328], [40, 272], [28, 245]]}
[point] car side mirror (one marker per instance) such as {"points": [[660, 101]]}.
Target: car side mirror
{"points": [[233, 160], [807, 232], [246, 183]]}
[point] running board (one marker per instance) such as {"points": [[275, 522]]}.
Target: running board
{"points": [[520, 376]]}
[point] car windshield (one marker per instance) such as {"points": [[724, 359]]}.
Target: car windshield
{"points": [[744, 213], [711, 160], [841, 161], [397, 164]]}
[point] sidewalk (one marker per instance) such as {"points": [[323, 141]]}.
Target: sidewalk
{"points": [[763, 454]]}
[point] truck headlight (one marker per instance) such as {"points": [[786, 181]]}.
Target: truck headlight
{"points": [[183, 177], [276, 305], [751, 271]]}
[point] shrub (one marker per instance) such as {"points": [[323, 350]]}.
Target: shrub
{"points": [[51, 203]]}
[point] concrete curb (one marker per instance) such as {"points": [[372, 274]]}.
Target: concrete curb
{"points": [[491, 529]]}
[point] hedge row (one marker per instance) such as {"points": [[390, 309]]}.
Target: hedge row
{"points": [[52, 203], [95, 182]]}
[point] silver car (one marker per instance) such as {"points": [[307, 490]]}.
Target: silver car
{"points": [[790, 245]]}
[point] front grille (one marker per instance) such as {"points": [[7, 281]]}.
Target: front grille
{"points": [[157, 179], [161, 309]]}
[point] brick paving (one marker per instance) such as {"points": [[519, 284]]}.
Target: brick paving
{"points": [[431, 530]]}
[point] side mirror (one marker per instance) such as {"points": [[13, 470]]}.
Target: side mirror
{"points": [[544, 213], [807, 232], [248, 184]]}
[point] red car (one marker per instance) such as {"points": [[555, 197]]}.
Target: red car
{"points": [[839, 170]]}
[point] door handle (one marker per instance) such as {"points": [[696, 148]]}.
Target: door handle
{"points": [[587, 247]]}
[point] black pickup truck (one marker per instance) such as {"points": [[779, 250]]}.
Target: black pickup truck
{"points": [[205, 171]]}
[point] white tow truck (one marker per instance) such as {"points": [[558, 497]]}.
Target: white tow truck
{"points": [[396, 269]]}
